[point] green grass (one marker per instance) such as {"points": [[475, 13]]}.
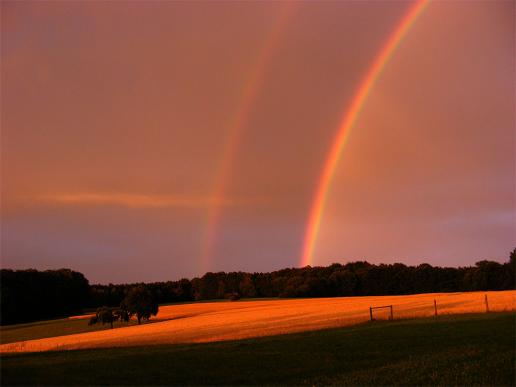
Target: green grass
{"points": [[451, 350]]}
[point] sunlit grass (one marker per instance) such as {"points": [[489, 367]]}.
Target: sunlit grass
{"points": [[220, 321]]}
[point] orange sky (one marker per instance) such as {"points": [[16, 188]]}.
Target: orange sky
{"points": [[115, 115]]}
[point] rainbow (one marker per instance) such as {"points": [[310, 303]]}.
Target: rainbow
{"points": [[349, 119], [234, 134]]}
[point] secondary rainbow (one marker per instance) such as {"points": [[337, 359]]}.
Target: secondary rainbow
{"points": [[348, 121], [234, 134]]}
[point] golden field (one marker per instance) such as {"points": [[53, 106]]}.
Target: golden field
{"points": [[218, 321]]}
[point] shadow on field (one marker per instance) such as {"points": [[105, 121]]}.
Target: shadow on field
{"points": [[448, 350], [62, 327]]}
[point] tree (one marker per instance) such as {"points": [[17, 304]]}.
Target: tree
{"points": [[510, 271], [209, 286], [246, 287], [122, 314], [487, 275], [140, 302], [343, 282], [104, 315]]}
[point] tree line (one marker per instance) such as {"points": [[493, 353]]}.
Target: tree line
{"points": [[351, 279], [22, 292], [29, 295]]}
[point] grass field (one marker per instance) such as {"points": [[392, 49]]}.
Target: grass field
{"points": [[219, 321], [450, 350]]}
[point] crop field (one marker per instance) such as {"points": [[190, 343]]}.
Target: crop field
{"points": [[222, 321]]}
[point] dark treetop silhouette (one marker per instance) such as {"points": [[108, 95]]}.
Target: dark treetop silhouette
{"points": [[28, 295]]}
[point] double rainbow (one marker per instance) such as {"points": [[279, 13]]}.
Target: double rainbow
{"points": [[349, 119]]}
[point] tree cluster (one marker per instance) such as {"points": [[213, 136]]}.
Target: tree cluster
{"points": [[28, 295], [139, 302]]}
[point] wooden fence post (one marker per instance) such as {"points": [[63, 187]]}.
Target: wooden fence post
{"points": [[392, 316], [435, 307], [487, 304], [371, 313]]}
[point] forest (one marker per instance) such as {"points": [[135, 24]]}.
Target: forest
{"points": [[29, 295]]}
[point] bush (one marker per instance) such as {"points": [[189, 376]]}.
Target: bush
{"points": [[233, 296]]}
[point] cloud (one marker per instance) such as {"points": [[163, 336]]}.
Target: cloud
{"points": [[135, 200]]}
